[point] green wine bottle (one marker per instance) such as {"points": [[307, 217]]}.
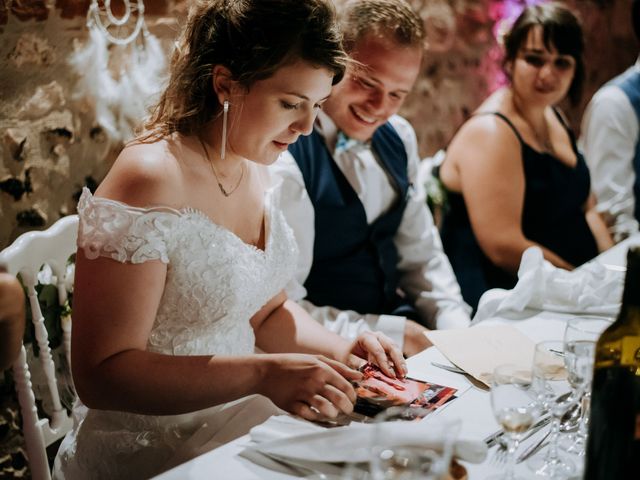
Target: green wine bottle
{"points": [[613, 446]]}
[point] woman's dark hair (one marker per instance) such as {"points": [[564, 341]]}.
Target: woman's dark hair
{"points": [[560, 29], [253, 39], [635, 18]]}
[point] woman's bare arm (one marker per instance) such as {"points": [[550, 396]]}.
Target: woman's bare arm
{"points": [[12, 319], [597, 225], [284, 326], [488, 162]]}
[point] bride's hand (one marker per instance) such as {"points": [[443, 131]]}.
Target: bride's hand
{"points": [[377, 348], [310, 386]]}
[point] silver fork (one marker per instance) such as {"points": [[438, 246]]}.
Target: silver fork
{"points": [[501, 453]]}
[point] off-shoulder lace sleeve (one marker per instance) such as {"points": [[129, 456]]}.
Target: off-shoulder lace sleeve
{"points": [[118, 231]]}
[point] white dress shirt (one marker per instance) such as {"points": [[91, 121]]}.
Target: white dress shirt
{"points": [[426, 275], [610, 132]]}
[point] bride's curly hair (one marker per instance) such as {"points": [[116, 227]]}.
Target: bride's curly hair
{"points": [[253, 39]]}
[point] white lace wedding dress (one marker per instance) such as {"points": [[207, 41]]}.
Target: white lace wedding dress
{"points": [[215, 283]]}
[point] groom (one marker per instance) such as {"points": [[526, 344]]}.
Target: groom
{"points": [[371, 257]]}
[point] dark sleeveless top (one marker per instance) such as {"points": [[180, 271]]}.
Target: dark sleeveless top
{"points": [[354, 263], [552, 216]]}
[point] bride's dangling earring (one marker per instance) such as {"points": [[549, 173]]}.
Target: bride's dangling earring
{"points": [[225, 114], [223, 145]]}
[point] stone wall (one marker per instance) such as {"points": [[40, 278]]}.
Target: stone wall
{"points": [[611, 46], [461, 65], [51, 145]]}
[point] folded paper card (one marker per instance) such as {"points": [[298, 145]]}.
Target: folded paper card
{"points": [[478, 350], [283, 438]]}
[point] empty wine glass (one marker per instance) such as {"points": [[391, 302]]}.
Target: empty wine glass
{"points": [[515, 407], [400, 453], [580, 338], [550, 385]]}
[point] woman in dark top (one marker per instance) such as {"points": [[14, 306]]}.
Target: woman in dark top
{"points": [[513, 173]]}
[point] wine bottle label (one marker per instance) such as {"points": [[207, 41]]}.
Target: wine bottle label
{"points": [[630, 351]]}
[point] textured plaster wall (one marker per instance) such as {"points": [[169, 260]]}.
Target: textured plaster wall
{"points": [[51, 145]]}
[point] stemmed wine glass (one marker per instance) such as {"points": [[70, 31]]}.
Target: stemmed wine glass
{"points": [[580, 338], [550, 385], [515, 407]]}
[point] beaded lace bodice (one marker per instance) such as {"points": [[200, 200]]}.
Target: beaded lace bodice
{"points": [[215, 282]]}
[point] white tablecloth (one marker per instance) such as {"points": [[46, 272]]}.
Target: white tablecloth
{"points": [[617, 256], [472, 406]]}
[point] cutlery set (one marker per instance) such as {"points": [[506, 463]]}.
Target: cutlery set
{"points": [[568, 423], [497, 438], [500, 455]]}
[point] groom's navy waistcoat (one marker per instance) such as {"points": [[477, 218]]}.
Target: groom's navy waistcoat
{"points": [[354, 263], [629, 83]]}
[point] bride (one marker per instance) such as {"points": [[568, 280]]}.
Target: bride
{"points": [[183, 255]]}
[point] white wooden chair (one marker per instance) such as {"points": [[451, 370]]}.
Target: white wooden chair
{"points": [[25, 256]]}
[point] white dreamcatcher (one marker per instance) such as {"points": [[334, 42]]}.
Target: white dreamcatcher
{"points": [[120, 102]]}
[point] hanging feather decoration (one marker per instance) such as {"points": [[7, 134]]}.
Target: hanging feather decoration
{"points": [[94, 80], [119, 104]]}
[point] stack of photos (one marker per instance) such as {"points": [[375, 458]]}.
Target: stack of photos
{"points": [[378, 392]]}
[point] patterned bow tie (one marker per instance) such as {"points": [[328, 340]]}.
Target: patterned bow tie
{"points": [[344, 143]]}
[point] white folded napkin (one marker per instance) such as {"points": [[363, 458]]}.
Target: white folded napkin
{"points": [[289, 438], [282, 426], [591, 289]]}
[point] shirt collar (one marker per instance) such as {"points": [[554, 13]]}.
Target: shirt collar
{"points": [[329, 130], [336, 140]]}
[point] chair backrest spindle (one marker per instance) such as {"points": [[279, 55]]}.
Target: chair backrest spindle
{"points": [[26, 256]]}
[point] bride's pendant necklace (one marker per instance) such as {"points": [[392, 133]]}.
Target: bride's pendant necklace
{"points": [[223, 190]]}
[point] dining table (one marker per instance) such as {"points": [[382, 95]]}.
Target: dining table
{"points": [[471, 406]]}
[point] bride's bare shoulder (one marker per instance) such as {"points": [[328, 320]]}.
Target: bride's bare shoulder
{"points": [[145, 174]]}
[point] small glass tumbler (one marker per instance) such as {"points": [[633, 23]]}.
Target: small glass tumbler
{"points": [[580, 337], [554, 395], [421, 452]]}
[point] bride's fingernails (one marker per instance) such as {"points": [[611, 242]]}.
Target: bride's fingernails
{"points": [[391, 369]]}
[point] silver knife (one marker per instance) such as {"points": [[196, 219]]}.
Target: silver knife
{"points": [[537, 427], [492, 439], [449, 368], [474, 381], [533, 448]]}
